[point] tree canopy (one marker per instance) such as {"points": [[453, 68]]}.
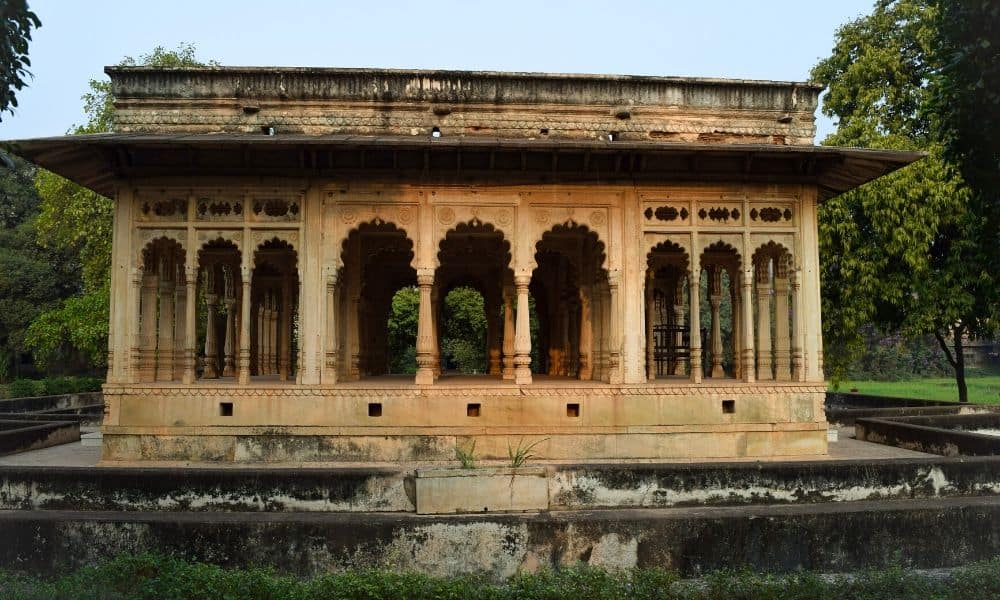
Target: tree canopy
{"points": [[903, 252], [15, 34], [76, 219]]}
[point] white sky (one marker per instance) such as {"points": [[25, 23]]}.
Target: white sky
{"points": [[766, 39]]}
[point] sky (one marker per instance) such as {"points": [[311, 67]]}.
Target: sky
{"points": [[762, 39]]}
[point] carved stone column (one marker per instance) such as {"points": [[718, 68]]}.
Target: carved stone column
{"points": [[425, 331], [229, 348], [147, 352], [694, 295], [650, 323], [190, 324], [600, 334], [737, 340], [715, 302], [615, 375], [679, 324], [522, 333], [746, 322], [763, 322], [782, 343], [508, 333], [332, 345], [165, 335], [586, 369], [353, 334], [798, 366], [211, 336], [435, 333], [180, 322], [244, 357]]}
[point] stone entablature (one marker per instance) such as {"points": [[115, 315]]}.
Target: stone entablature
{"points": [[462, 103]]}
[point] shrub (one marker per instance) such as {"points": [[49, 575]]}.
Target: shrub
{"points": [[53, 386], [25, 388]]}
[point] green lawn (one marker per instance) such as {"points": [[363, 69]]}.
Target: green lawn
{"points": [[982, 389]]}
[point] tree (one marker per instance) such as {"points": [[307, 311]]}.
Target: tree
{"points": [[15, 34], [897, 252], [77, 219]]}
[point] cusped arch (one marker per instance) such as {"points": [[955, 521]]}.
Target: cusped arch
{"points": [[275, 243], [376, 225], [476, 226], [152, 239], [772, 250], [720, 248], [162, 247], [668, 247], [570, 226]]}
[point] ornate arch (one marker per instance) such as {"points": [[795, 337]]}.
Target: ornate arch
{"points": [[570, 225], [162, 247], [376, 223], [148, 237], [773, 250], [733, 241], [668, 245], [721, 247], [651, 240], [505, 250]]}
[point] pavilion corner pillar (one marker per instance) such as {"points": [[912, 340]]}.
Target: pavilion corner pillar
{"points": [[763, 323], [425, 330], [679, 324], [190, 329], [522, 333], [147, 348], [492, 337], [165, 335], [244, 355], [508, 333], [746, 322], [694, 294], [135, 341]]}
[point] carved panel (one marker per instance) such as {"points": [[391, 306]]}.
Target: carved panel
{"points": [[219, 208], [772, 213], [272, 207], [666, 214], [230, 235], [161, 206], [290, 237], [720, 213], [734, 240]]}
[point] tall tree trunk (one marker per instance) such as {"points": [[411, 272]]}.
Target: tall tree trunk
{"points": [[956, 359]]}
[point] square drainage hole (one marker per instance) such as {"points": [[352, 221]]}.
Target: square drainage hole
{"points": [[573, 410], [729, 406], [472, 410], [374, 409], [225, 409]]}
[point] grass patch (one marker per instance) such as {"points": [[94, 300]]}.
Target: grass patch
{"points": [[984, 390], [147, 576]]}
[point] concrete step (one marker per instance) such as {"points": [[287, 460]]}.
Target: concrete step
{"points": [[830, 537], [570, 487]]}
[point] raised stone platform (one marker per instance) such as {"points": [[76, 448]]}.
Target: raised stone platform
{"points": [[392, 420]]}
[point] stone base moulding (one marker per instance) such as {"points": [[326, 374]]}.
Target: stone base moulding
{"points": [[414, 424]]}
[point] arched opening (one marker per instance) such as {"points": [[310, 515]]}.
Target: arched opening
{"points": [[469, 303], [219, 295], [773, 313], [401, 331], [668, 337], [274, 292], [463, 331], [568, 287], [162, 309], [377, 281], [720, 267]]}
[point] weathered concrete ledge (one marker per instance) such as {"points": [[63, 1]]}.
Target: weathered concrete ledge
{"points": [[50, 403], [570, 487], [828, 537], [23, 435], [948, 435]]}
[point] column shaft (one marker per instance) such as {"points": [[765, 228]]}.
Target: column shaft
{"points": [[425, 332], [694, 296], [763, 326], [244, 358], [782, 343], [650, 329], [522, 333], [190, 325], [508, 333]]}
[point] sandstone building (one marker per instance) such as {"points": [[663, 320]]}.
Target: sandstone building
{"points": [[266, 216]]}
